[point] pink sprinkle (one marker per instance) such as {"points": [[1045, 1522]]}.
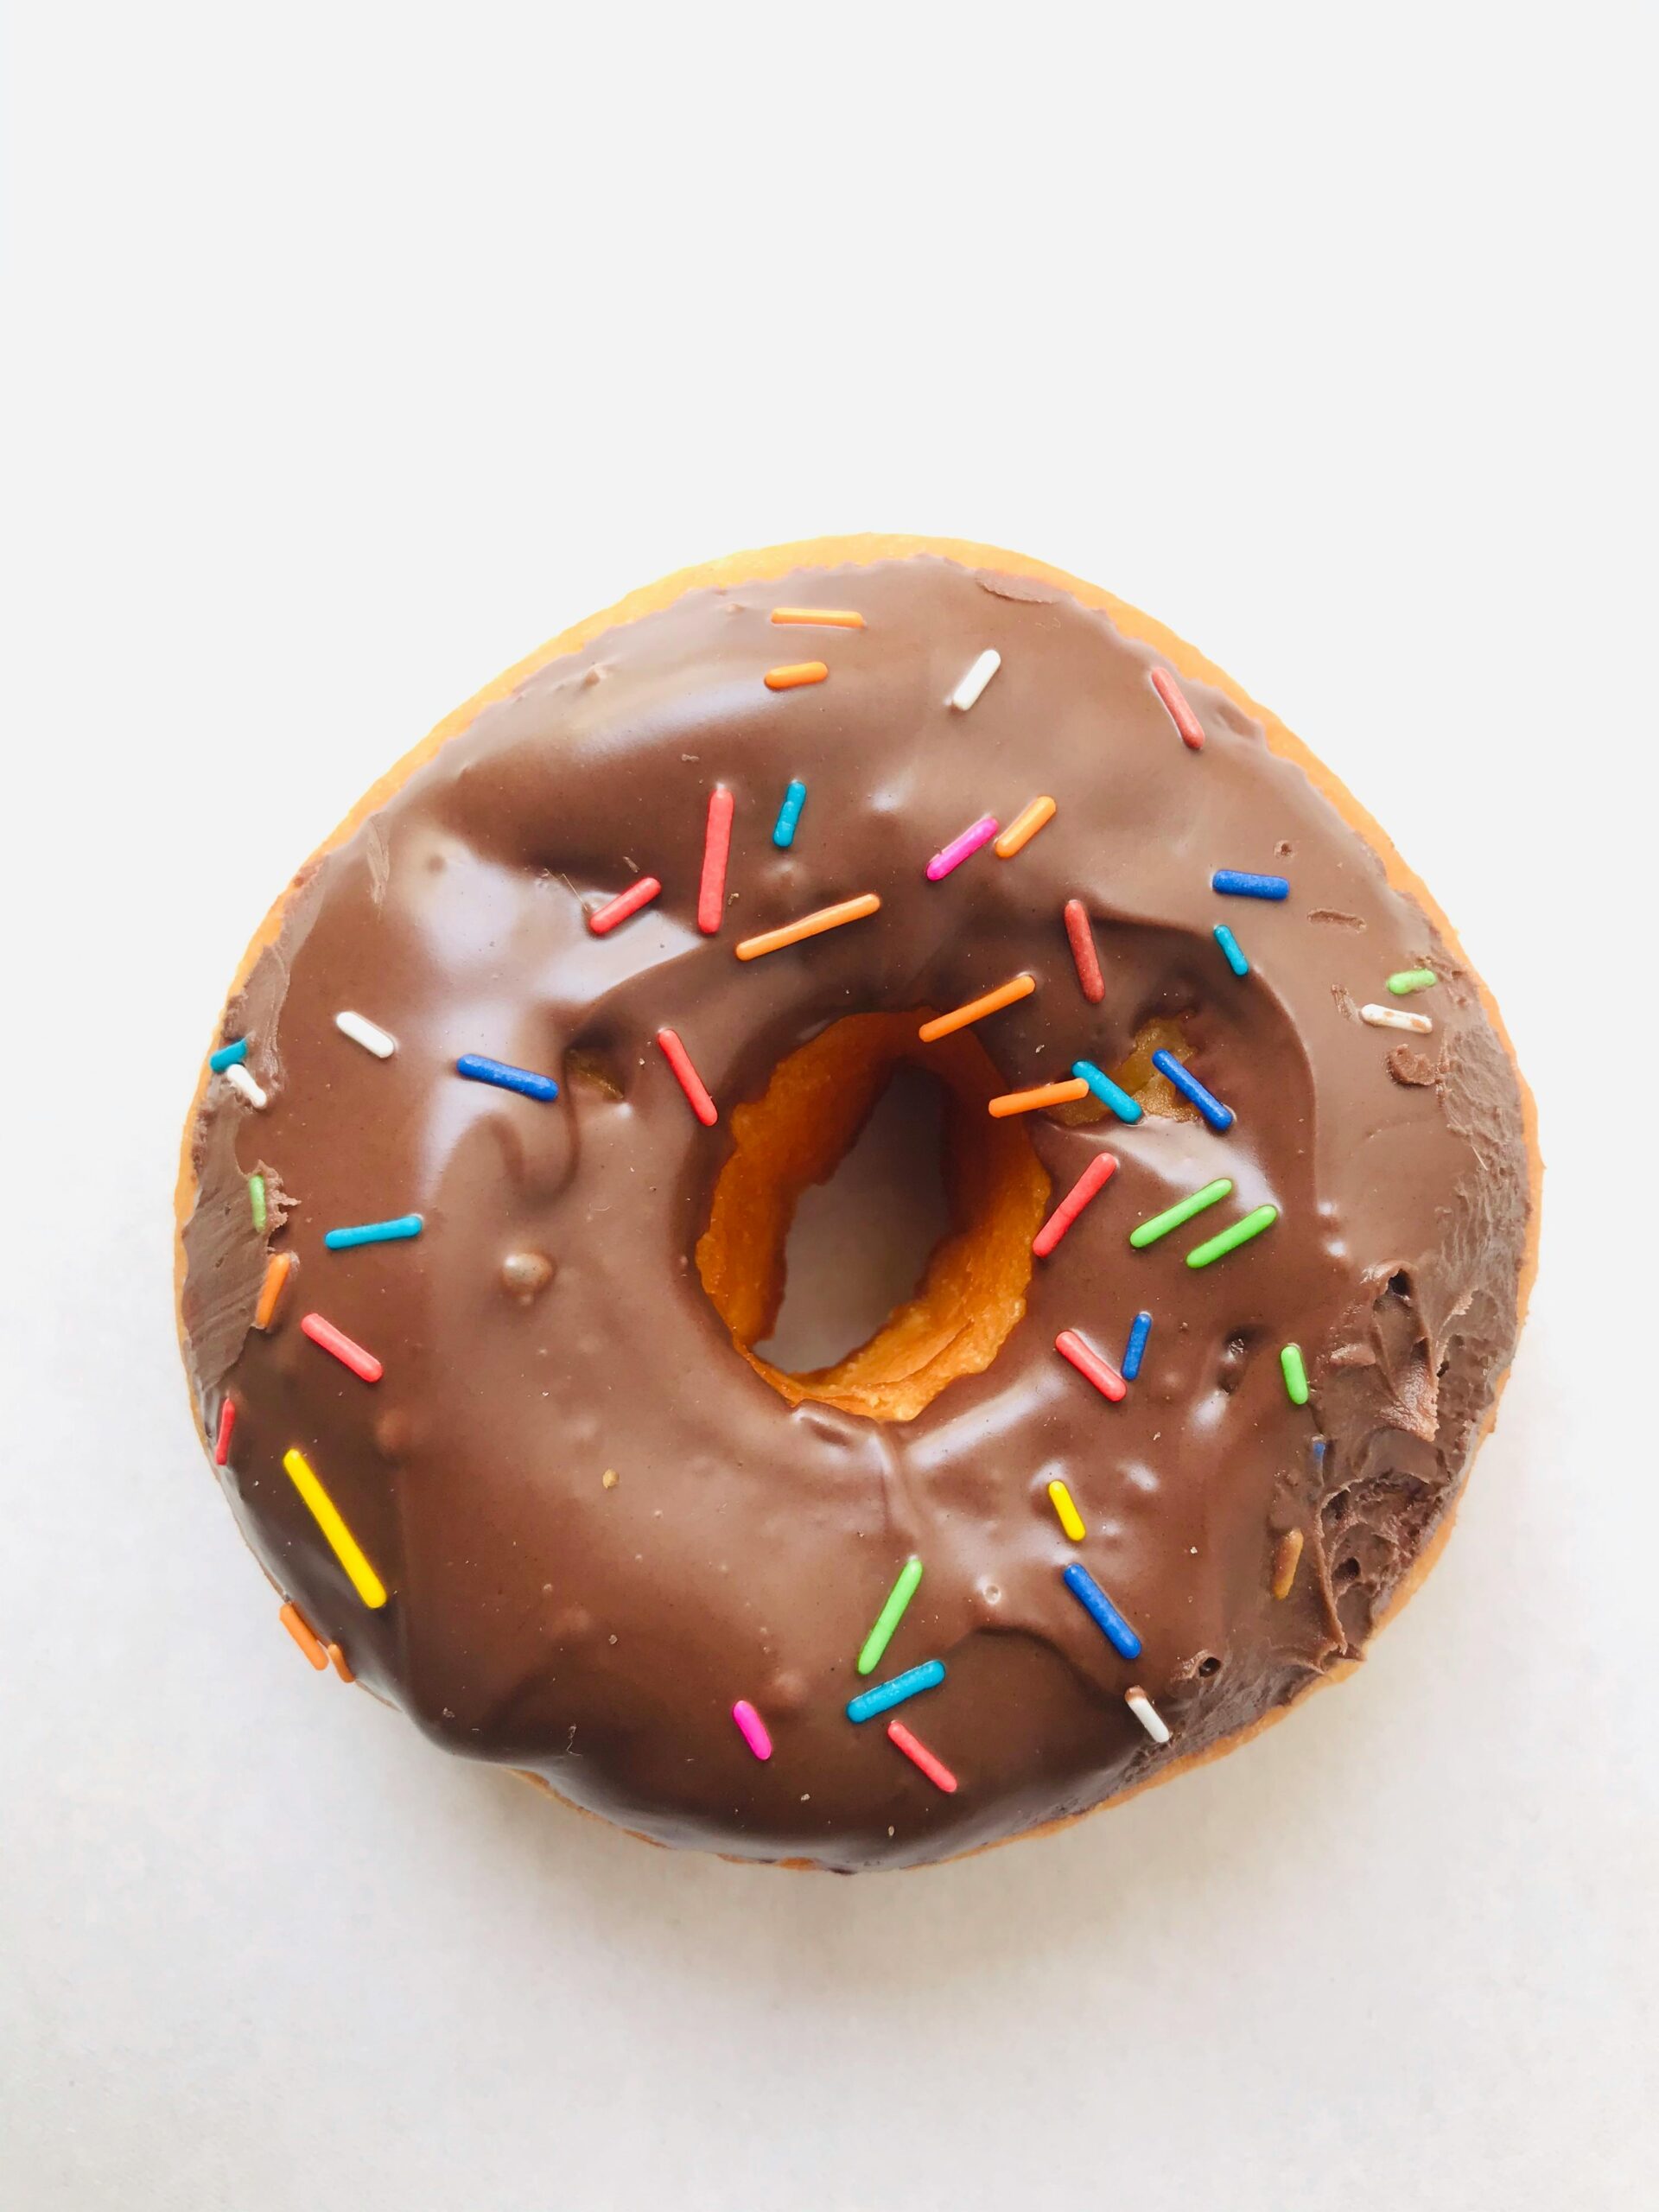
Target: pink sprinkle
{"points": [[605, 919], [1093, 1180], [348, 1353], [960, 848], [918, 1755], [1181, 714], [716, 849], [753, 1727]]}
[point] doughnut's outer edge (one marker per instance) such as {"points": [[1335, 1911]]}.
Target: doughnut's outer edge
{"points": [[764, 564]]}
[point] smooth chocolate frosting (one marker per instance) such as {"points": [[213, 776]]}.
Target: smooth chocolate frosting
{"points": [[598, 1525]]}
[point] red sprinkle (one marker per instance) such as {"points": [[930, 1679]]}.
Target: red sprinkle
{"points": [[918, 1755], [222, 1441], [1094, 1178], [1107, 1380], [688, 1078], [605, 919], [1081, 931], [1181, 714], [348, 1354], [716, 849]]}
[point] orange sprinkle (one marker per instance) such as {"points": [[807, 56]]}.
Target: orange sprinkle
{"points": [[1047, 1094], [827, 918], [339, 1659], [795, 672], [1018, 987], [1023, 828], [1287, 1557], [277, 1274], [832, 617], [300, 1629]]}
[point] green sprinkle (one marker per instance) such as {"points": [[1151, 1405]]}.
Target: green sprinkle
{"points": [[890, 1616], [1231, 1239], [256, 1202], [1161, 1224], [1412, 979], [1295, 1374]]}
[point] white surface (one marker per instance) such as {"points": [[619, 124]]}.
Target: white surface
{"points": [[353, 350]]}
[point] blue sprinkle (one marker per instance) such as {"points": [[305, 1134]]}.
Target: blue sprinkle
{"points": [[1136, 1351], [1125, 1107], [886, 1696], [227, 1056], [1218, 1117], [505, 1077], [373, 1232], [1101, 1610], [789, 814], [1231, 948], [1237, 883]]}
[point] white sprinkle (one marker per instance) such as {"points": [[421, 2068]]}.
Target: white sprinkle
{"points": [[237, 1076], [976, 680], [1147, 1715], [368, 1035], [1393, 1017]]}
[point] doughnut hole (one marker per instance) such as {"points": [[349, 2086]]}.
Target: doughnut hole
{"points": [[973, 1292]]}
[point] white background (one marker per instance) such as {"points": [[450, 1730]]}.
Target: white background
{"points": [[353, 350]]}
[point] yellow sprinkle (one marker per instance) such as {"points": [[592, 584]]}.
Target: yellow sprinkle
{"points": [[1023, 828], [1070, 1519], [1287, 1556], [362, 1576]]}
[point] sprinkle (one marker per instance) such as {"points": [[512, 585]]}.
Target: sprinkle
{"points": [[1412, 979], [369, 1034], [505, 1077], [791, 676], [1090, 1365], [918, 1755], [239, 1080], [1231, 950], [789, 815], [1018, 987], [1181, 714], [373, 1232], [1024, 827], [361, 1363], [976, 680], [813, 925], [1380, 1017], [227, 1056], [1069, 1519], [1218, 1117], [256, 1203], [961, 849], [1109, 1093], [1238, 883], [227, 1425], [886, 1696], [1101, 1610], [1092, 1181], [751, 1726], [891, 1614], [832, 618], [1229, 1239], [1287, 1557], [1290, 1360], [688, 1078], [1136, 1351], [362, 1576], [1147, 1715], [604, 919], [716, 850], [297, 1626], [1047, 1094], [278, 1269], [337, 1659], [1080, 931], [1174, 1216]]}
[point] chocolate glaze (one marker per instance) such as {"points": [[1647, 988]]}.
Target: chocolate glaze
{"points": [[596, 1630]]}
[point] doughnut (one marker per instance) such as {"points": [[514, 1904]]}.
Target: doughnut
{"points": [[488, 1179]]}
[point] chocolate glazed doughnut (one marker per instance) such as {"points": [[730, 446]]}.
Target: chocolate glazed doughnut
{"points": [[507, 1449]]}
